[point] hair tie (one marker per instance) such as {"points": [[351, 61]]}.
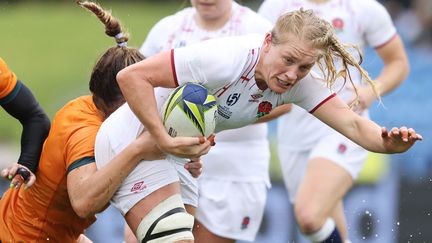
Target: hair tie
{"points": [[124, 43], [118, 37]]}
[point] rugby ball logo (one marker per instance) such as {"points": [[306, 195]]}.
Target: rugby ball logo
{"points": [[190, 111]]}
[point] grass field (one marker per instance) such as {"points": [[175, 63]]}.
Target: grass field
{"points": [[52, 47]]}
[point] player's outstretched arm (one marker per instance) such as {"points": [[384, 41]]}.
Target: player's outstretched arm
{"points": [[365, 132]]}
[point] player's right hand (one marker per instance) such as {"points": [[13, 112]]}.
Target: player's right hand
{"points": [[19, 175]]}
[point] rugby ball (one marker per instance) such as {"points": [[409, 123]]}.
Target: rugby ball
{"points": [[189, 111]]}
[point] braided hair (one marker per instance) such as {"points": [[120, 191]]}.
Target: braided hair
{"points": [[106, 92]]}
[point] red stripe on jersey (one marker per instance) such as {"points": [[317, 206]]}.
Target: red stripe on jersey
{"points": [[322, 102], [173, 68], [245, 78], [222, 90], [253, 62], [385, 43]]}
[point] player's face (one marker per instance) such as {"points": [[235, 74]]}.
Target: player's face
{"points": [[212, 9], [283, 65]]}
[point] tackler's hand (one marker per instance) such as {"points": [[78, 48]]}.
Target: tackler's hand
{"points": [[195, 167]]}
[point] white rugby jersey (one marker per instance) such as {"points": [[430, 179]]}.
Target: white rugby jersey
{"points": [[235, 147], [359, 22], [181, 29], [226, 67]]}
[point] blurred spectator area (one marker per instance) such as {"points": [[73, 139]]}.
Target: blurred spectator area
{"points": [[413, 19], [409, 105]]}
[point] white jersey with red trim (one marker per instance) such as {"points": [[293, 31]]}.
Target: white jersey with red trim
{"points": [[228, 74], [233, 146], [226, 67], [359, 22], [181, 29]]}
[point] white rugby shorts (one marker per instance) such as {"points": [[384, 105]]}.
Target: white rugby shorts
{"points": [[231, 209], [147, 177], [333, 146]]}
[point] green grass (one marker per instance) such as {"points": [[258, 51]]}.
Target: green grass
{"points": [[52, 47]]}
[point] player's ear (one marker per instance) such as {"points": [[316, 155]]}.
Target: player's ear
{"points": [[267, 42]]}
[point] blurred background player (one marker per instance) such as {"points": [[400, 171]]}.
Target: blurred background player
{"points": [[227, 186], [319, 165], [19, 102]]}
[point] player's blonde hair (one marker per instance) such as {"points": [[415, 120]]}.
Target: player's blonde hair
{"points": [[308, 27]]}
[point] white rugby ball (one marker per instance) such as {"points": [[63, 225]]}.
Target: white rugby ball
{"points": [[189, 111]]}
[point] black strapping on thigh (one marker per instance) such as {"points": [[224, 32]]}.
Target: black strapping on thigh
{"points": [[149, 236]]}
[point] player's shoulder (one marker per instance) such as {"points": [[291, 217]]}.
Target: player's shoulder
{"points": [[371, 14], [222, 54], [75, 126], [81, 110]]}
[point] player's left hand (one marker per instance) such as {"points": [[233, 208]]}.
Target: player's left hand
{"points": [[195, 167], [19, 175], [399, 140]]}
